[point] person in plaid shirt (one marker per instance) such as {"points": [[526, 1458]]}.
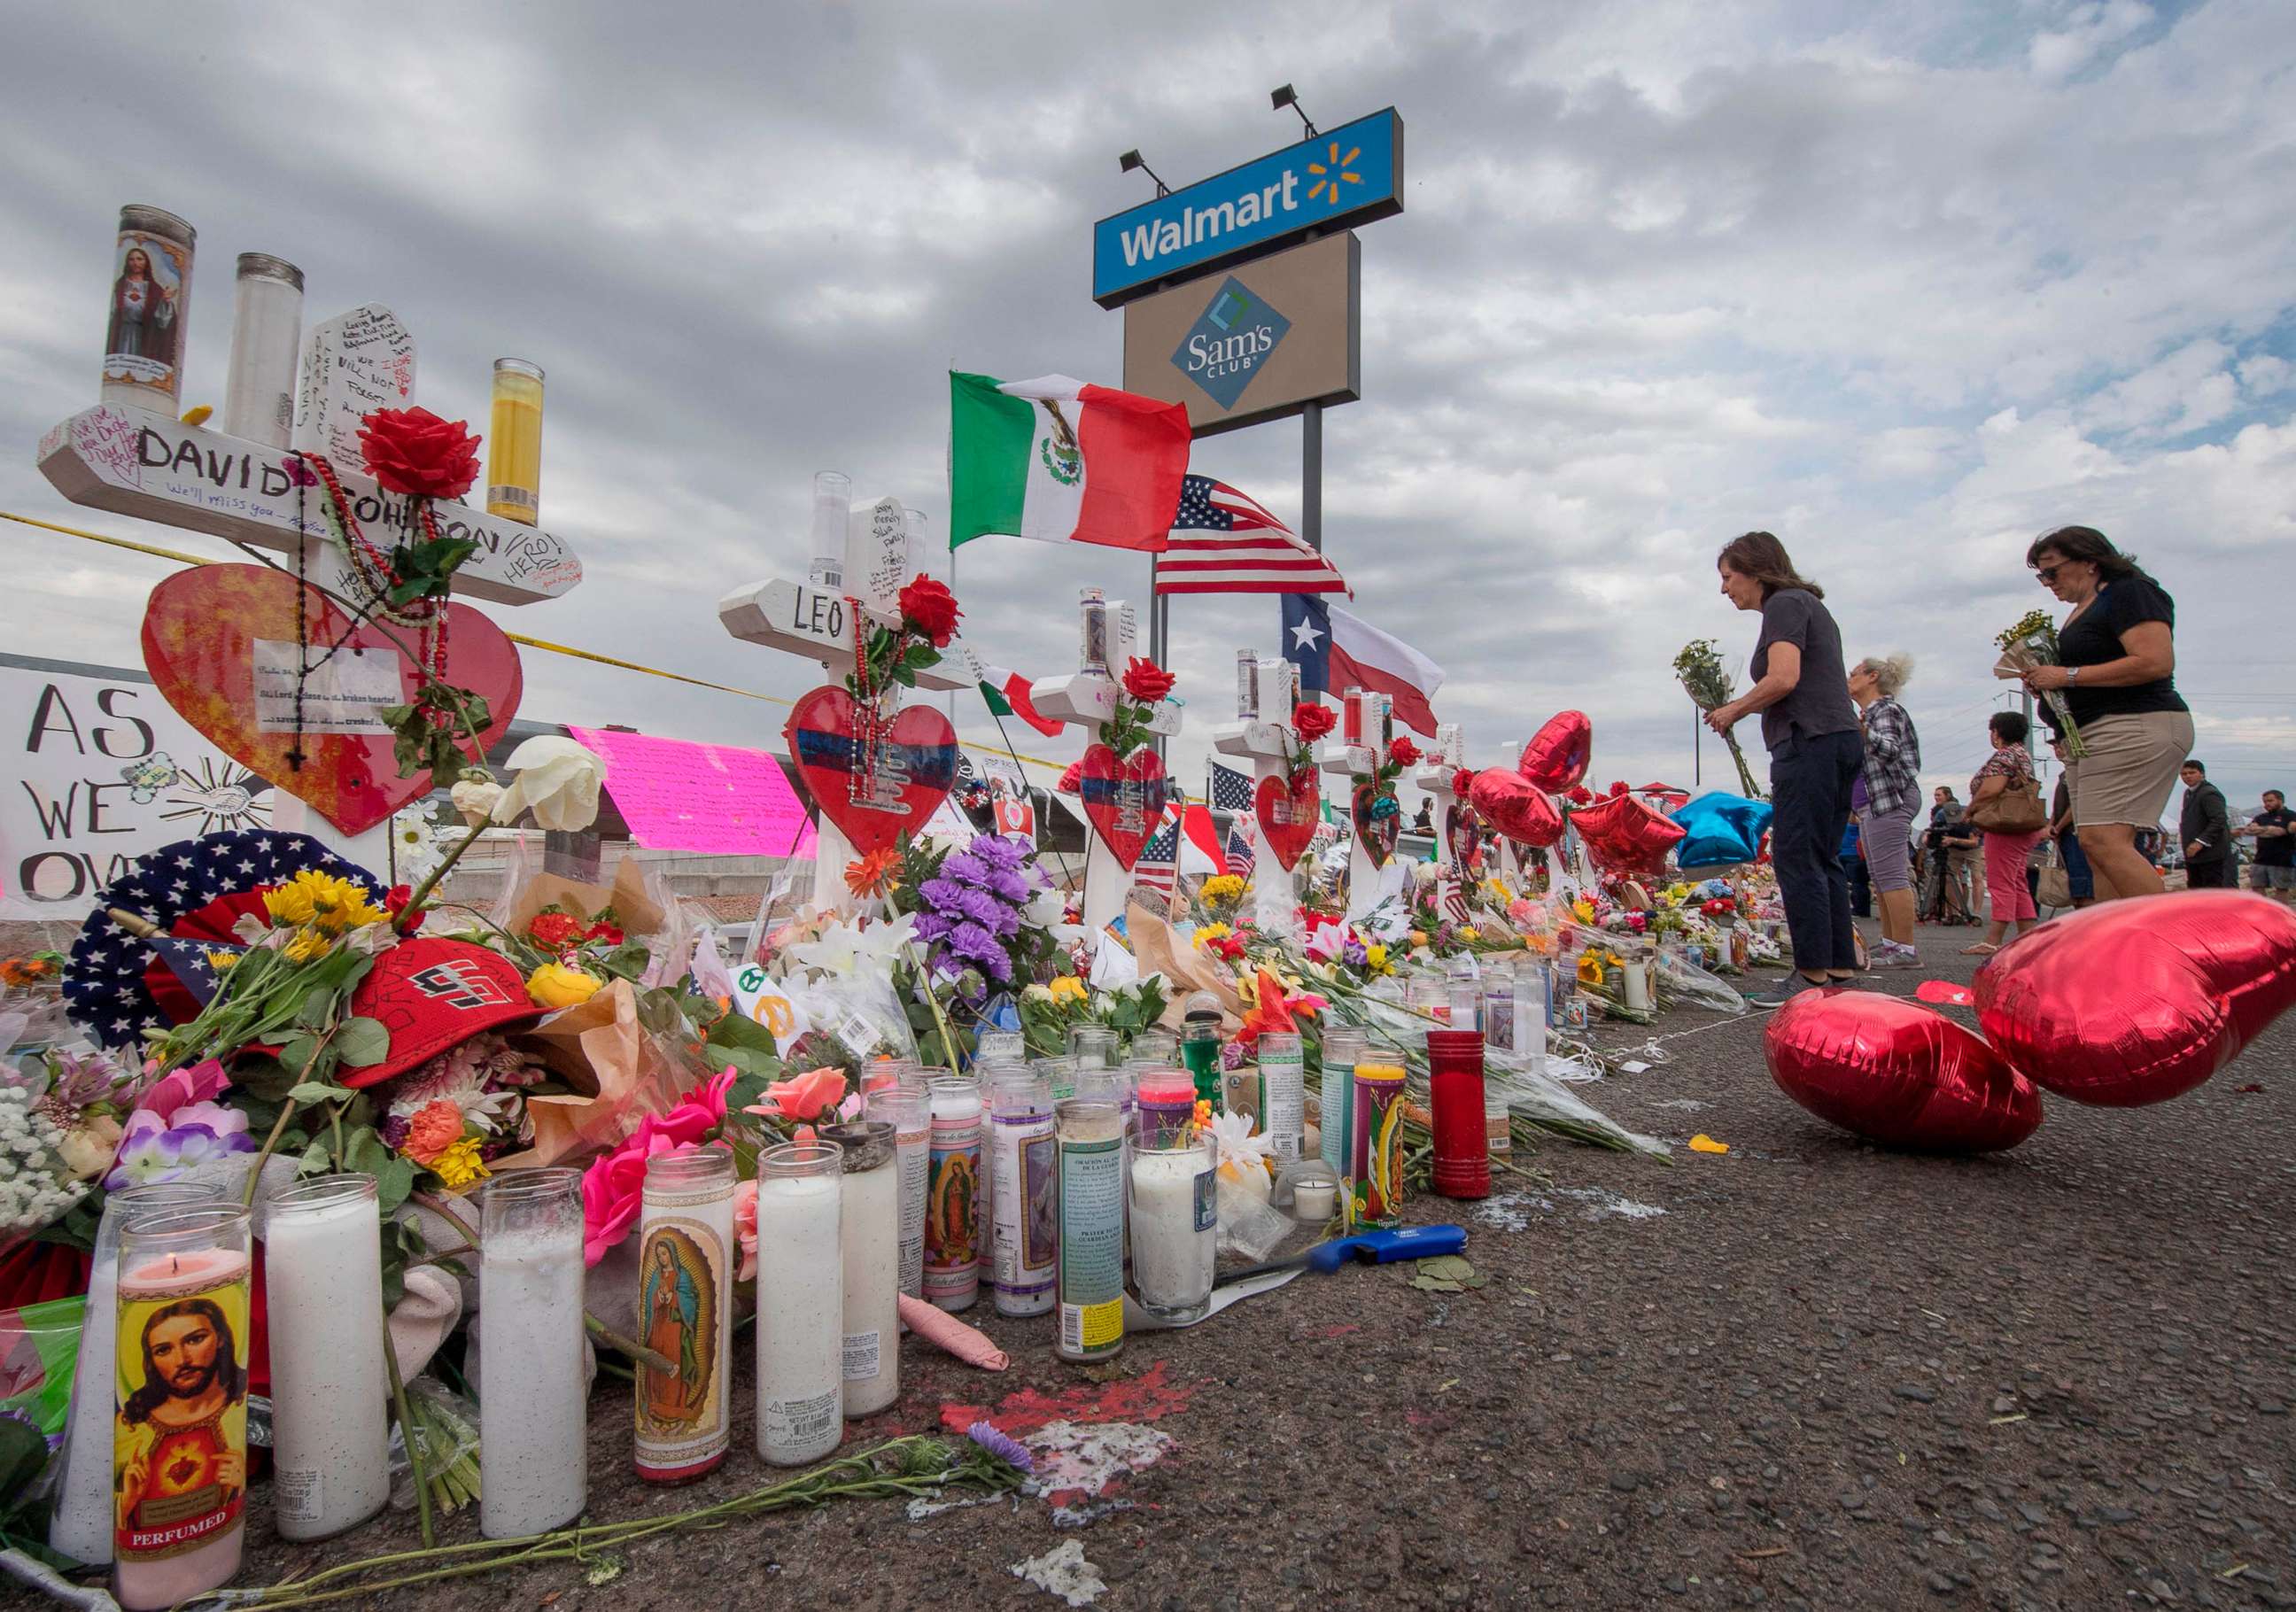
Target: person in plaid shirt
{"points": [[1892, 779]]}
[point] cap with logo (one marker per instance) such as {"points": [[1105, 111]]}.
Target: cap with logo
{"points": [[432, 995]]}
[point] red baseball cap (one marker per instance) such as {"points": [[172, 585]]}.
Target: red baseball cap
{"points": [[432, 995]]}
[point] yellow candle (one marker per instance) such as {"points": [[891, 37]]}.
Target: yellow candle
{"points": [[514, 443]]}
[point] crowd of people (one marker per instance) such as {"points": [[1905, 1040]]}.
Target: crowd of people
{"points": [[1846, 761]]}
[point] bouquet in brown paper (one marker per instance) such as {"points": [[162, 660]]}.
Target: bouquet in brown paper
{"points": [[1159, 950], [617, 1071]]}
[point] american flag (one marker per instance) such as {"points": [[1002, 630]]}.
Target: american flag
{"points": [[1159, 858], [1231, 791], [1239, 852], [1222, 543]]}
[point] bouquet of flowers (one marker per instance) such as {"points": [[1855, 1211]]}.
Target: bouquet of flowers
{"points": [[2033, 643], [1700, 669]]}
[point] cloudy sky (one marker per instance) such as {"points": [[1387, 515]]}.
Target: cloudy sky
{"points": [[1907, 283]]}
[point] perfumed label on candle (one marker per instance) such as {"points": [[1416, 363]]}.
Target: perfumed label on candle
{"points": [[180, 1436], [1092, 1246], [682, 1416]]}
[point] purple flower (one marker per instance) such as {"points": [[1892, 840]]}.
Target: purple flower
{"points": [[1009, 884], [997, 851], [1011, 1451], [1231, 1054], [978, 906], [152, 1149], [1354, 954], [964, 867], [933, 926], [393, 1129], [941, 892]]}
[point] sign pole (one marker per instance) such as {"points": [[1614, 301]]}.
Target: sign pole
{"points": [[1311, 476]]}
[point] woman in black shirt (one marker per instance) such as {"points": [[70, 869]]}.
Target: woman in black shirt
{"points": [[2117, 675]]}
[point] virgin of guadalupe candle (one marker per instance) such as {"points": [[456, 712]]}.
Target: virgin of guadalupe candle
{"points": [[953, 1206], [150, 310], [1175, 1212], [1284, 1095], [83, 1523], [1376, 1137], [686, 1239], [329, 1435], [1020, 1140], [534, 1471], [1091, 1202], [179, 1440], [904, 1109], [869, 1243], [800, 1325]]}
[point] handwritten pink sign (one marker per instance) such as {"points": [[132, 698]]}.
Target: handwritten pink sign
{"points": [[711, 800]]}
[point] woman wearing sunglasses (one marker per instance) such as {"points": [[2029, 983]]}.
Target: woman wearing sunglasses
{"points": [[2117, 675]]}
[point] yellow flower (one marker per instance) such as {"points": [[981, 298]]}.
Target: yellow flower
{"points": [[220, 960], [1221, 889], [1496, 890], [1067, 987], [553, 984], [1584, 910], [1469, 932], [1375, 958], [1590, 968], [1209, 933], [307, 946], [323, 901], [458, 1164]]}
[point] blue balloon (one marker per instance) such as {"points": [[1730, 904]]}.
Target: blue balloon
{"points": [[1719, 829]]}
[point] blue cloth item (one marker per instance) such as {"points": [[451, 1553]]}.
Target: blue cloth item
{"points": [[2082, 883], [1719, 829]]}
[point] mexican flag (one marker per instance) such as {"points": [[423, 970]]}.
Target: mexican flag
{"points": [[1007, 694], [1061, 461]]}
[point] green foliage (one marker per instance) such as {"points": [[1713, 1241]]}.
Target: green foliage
{"points": [[437, 732], [426, 570]]}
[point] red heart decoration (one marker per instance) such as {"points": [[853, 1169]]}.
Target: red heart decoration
{"points": [[1288, 813], [916, 767], [1378, 834], [1557, 755], [1515, 806], [1624, 837], [1124, 800], [1898, 1073], [2135, 1002], [199, 632]]}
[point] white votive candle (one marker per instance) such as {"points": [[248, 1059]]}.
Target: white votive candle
{"points": [[1174, 1217], [869, 1236], [800, 1323], [534, 1470], [330, 1433], [904, 1109]]}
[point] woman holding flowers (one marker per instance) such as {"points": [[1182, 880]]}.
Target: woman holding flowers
{"points": [[2117, 673], [1803, 691]]}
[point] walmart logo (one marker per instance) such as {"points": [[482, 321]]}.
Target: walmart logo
{"points": [[1230, 340]]}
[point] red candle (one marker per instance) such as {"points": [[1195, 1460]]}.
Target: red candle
{"points": [[1463, 1160]]}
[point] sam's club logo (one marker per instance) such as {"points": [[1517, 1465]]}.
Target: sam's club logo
{"points": [[1233, 336]]}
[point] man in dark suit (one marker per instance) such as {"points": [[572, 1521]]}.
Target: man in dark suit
{"points": [[2206, 831]]}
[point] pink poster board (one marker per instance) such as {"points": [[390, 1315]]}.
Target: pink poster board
{"points": [[710, 799]]}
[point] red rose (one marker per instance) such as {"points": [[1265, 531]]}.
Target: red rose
{"points": [[414, 452], [394, 902], [1618, 786], [1146, 682], [556, 930], [1071, 779], [1462, 781], [1403, 753], [1314, 720], [606, 932], [1580, 794], [929, 610]]}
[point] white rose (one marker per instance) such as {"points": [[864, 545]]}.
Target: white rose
{"points": [[556, 780], [476, 800], [88, 1151]]}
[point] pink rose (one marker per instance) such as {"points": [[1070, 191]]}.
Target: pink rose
{"points": [[698, 1112], [803, 1098], [745, 1228], [613, 1191]]}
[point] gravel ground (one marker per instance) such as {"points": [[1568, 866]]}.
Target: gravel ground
{"points": [[1809, 1374]]}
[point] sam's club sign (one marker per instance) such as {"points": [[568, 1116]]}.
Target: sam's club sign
{"points": [[1343, 176]]}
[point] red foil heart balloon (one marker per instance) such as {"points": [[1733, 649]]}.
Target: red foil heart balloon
{"points": [[1377, 833], [1896, 1072], [1557, 755], [1515, 806], [1624, 837], [2136, 1002], [915, 766], [1124, 800], [1288, 813], [206, 630]]}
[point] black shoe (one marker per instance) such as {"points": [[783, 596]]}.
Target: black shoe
{"points": [[1784, 991]]}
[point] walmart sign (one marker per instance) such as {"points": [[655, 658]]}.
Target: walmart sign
{"points": [[1344, 177]]}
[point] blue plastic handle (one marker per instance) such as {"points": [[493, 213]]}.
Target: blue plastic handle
{"points": [[1385, 1248]]}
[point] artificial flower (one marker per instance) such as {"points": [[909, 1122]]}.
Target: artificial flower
{"points": [[394, 902], [1146, 682], [321, 901], [432, 1130], [1222, 890], [153, 1150], [1579, 795], [195, 1084], [699, 1112], [460, 1165], [412, 451], [557, 780], [1463, 781], [553, 984], [929, 610], [1402, 752], [475, 799], [745, 1228], [554, 931], [874, 874], [1313, 720], [804, 1098], [1067, 987]]}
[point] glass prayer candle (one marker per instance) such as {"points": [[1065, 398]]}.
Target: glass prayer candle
{"points": [[905, 1110], [179, 1456], [869, 1237], [1498, 1007], [1429, 998], [833, 511], [1283, 1101], [322, 1288], [1336, 1106], [1279, 688], [1009, 1044], [84, 1520], [1247, 685], [1463, 1154], [1060, 1073], [1450, 746], [1153, 1046], [534, 1470], [685, 1312], [1090, 1141], [1093, 1046], [800, 1325], [1352, 716], [953, 1206], [1174, 1215], [1021, 1144], [1637, 982], [1376, 1137], [514, 443], [1093, 630], [1164, 1106], [151, 311], [266, 331]]}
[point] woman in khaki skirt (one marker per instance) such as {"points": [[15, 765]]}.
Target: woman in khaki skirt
{"points": [[2119, 654]]}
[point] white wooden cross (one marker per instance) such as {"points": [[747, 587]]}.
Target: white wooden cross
{"points": [[1435, 775], [1366, 880], [1270, 740]]}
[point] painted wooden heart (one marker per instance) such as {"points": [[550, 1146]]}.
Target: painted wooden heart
{"points": [[1124, 800], [1288, 812], [1378, 833], [220, 642], [1463, 832], [915, 766]]}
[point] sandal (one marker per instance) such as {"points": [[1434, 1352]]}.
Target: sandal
{"points": [[1983, 948]]}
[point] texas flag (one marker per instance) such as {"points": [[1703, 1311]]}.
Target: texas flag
{"points": [[1336, 652]]}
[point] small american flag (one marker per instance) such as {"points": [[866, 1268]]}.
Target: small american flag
{"points": [[1231, 791], [1224, 543], [1159, 858], [1239, 853]]}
